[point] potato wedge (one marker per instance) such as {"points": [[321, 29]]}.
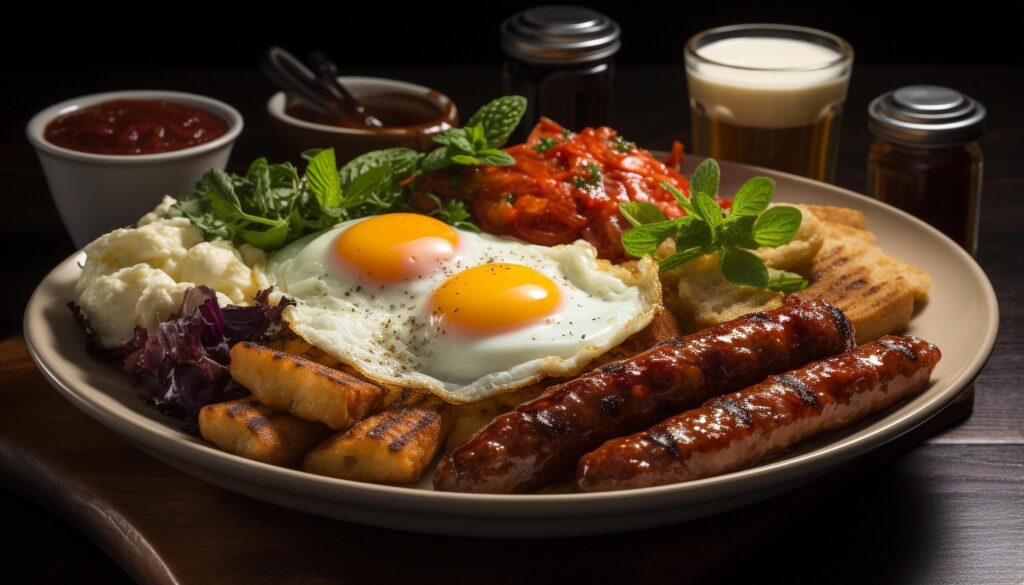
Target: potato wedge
{"points": [[394, 446], [255, 431], [303, 387]]}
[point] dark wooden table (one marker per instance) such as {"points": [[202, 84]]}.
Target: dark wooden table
{"points": [[949, 509]]}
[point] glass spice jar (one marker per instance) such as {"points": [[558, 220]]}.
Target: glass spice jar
{"points": [[560, 58], [925, 158]]}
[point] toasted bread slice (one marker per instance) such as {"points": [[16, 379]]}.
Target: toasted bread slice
{"points": [[255, 431], [841, 215], [303, 387], [869, 286], [394, 446]]}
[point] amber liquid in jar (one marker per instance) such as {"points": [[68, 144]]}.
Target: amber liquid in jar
{"points": [[941, 186]]}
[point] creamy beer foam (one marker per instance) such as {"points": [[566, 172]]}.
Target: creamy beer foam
{"points": [[772, 93]]}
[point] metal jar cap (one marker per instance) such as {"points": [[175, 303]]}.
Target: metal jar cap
{"points": [[926, 115], [560, 34]]}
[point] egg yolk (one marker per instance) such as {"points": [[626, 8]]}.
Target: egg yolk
{"points": [[493, 298], [395, 246]]}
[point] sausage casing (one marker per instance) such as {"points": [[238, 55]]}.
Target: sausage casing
{"points": [[528, 447], [735, 430]]}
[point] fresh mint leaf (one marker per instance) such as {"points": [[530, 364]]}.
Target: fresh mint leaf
{"points": [[307, 155], [495, 158], [742, 267], [705, 178], [679, 258], [646, 239], [753, 197], [641, 212], [436, 160], [738, 231], [465, 159], [323, 179], [692, 232], [777, 226], [269, 239], [785, 282], [681, 199], [457, 140], [403, 163], [499, 118], [707, 210], [364, 187]]}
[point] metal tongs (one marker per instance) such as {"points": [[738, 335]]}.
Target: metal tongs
{"points": [[292, 76]]}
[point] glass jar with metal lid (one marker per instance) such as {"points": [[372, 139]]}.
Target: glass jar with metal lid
{"points": [[925, 158], [560, 59]]}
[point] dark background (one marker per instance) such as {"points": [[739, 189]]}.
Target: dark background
{"points": [[380, 33]]}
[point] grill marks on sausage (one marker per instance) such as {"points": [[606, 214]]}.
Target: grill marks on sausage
{"points": [[777, 412], [842, 322], [546, 436], [664, 440], [802, 390], [897, 346], [612, 368], [734, 407]]}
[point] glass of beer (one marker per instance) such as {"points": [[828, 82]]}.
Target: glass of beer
{"points": [[769, 95]]}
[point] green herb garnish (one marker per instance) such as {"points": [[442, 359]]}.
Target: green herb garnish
{"points": [[707, 228], [591, 182], [620, 144], [479, 141], [272, 205], [545, 144]]}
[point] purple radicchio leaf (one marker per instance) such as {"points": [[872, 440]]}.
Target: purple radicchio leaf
{"points": [[187, 357]]}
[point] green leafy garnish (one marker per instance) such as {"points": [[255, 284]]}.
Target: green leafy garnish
{"points": [[479, 141], [589, 182], [620, 144], [272, 205], [545, 144], [707, 228]]}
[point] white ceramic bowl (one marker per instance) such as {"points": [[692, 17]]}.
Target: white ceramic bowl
{"points": [[96, 193]]}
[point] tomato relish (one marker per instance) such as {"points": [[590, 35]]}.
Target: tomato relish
{"points": [[565, 186]]}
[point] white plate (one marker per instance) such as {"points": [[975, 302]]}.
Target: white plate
{"points": [[961, 318]]}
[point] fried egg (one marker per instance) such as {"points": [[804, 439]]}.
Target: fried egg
{"points": [[408, 300]]}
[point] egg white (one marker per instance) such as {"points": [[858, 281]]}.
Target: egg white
{"points": [[386, 333]]}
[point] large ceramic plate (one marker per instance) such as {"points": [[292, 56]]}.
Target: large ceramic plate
{"points": [[961, 318]]}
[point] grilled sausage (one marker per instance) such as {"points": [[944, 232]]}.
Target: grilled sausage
{"points": [[528, 447], [735, 430]]}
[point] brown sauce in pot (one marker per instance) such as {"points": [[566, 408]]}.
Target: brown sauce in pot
{"points": [[395, 110]]}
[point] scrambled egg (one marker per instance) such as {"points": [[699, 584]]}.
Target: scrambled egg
{"points": [[138, 276]]}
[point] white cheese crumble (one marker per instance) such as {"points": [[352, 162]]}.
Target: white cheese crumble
{"points": [[138, 276]]}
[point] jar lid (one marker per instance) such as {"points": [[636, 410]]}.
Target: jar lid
{"points": [[560, 34], [926, 115]]}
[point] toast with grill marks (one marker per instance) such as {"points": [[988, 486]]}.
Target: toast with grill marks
{"points": [[876, 291]]}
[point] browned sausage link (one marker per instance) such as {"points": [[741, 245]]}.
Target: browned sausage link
{"points": [[735, 430], [528, 447]]}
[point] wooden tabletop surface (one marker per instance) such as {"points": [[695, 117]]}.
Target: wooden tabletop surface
{"points": [[949, 509]]}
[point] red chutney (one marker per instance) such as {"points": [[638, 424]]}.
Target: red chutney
{"points": [[134, 127], [552, 195]]}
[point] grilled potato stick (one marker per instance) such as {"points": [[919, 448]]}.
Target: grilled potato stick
{"points": [[255, 431], [302, 387], [394, 446]]}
